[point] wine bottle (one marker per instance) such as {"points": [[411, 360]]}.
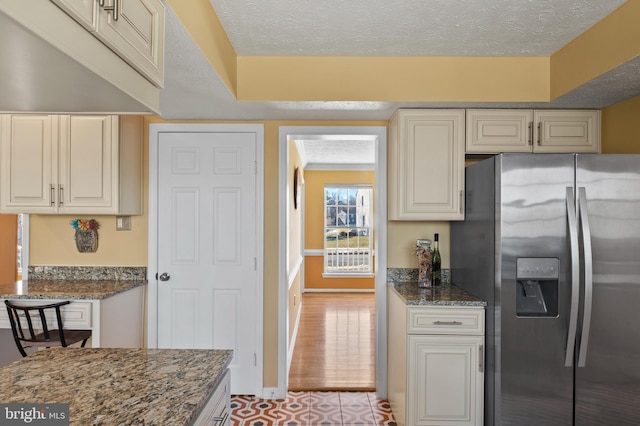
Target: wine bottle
{"points": [[435, 262]]}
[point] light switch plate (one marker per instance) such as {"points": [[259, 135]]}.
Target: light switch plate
{"points": [[123, 223]]}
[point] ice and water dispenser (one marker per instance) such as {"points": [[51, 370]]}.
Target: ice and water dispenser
{"points": [[537, 287]]}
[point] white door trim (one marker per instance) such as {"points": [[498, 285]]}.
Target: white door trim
{"points": [[285, 134], [152, 269]]}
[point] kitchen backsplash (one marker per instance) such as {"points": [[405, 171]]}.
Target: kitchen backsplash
{"points": [[411, 274], [80, 273]]}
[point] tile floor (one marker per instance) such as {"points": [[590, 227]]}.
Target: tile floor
{"points": [[302, 408]]}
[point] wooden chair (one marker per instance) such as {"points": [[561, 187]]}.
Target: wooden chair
{"points": [[25, 322]]}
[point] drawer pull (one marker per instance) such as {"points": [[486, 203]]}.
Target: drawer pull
{"points": [[221, 419], [447, 323]]}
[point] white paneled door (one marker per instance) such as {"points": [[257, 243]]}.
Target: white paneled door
{"points": [[207, 247]]}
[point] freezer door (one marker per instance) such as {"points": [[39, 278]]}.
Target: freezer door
{"points": [[608, 386], [533, 290]]}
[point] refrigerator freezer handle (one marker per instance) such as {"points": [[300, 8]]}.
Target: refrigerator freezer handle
{"points": [[588, 275], [575, 276]]}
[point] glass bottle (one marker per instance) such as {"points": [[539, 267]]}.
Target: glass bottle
{"points": [[435, 262]]}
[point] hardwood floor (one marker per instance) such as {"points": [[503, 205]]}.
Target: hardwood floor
{"points": [[335, 345]]}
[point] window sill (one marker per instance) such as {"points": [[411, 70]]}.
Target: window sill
{"points": [[348, 275]]}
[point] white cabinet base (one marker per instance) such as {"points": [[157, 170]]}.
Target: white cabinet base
{"points": [[435, 371], [217, 411], [443, 387]]}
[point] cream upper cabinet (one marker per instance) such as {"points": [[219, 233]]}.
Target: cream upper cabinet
{"points": [[71, 164], [495, 131], [83, 11], [134, 29], [426, 164], [567, 131], [513, 130], [28, 143]]}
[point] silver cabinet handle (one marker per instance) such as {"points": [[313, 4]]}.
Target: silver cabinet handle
{"points": [[461, 202], [165, 276], [481, 359], [101, 3], [60, 195], [221, 419], [52, 195], [575, 277], [588, 276], [539, 133], [115, 9], [530, 133], [447, 323]]}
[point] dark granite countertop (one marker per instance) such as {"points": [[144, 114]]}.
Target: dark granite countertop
{"points": [[66, 289], [118, 386], [442, 295]]}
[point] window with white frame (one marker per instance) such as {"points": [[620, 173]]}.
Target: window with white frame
{"points": [[347, 229]]}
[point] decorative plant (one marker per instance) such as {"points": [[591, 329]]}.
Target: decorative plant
{"points": [[85, 224]]}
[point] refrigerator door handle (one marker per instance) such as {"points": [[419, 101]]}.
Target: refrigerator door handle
{"points": [[588, 275], [575, 276]]}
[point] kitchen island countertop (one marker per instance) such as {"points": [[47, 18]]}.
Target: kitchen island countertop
{"points": [[118, 386], [442, 295], [66, 289]]}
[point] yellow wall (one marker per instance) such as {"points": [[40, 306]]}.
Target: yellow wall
{"points": [[295, 235], [397, 78], [315, 180], [621, 128], [401, 240], [313, 279]]}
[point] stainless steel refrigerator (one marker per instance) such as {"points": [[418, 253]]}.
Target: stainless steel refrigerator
{"points": [[552, 243]]}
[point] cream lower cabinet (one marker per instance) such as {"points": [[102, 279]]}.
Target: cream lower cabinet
{"points": [[71, 164], [115, 322], [491, 131], [435, 364], [134, 29], [426, 165], [217, 411]]}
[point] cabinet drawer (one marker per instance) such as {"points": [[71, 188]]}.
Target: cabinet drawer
{"points": [[217, 411], [76, 315], [434, 320]]}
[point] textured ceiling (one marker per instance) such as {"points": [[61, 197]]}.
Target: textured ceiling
{"points": [[407, 27], [321, 153]]}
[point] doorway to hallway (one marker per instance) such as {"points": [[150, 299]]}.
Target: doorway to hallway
{"points": [[291, 267]]}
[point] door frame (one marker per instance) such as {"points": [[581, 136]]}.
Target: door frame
{"points": [[152, 289], [379, 134]]}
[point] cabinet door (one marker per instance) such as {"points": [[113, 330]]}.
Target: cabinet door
{"points": [[567, 131], [426, 165], [28, 168], [83, 11], [495, 131], [445, 386], [88, 164], [137, 35]]}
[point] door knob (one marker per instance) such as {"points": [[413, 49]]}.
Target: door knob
{"points": [[165, 277]]}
